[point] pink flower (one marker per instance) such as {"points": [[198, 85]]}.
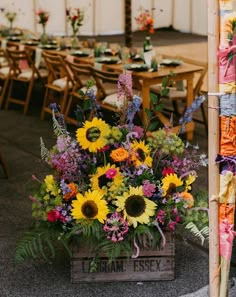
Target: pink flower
{"points": [[111, 173], [167, 171], [161, 216], [53, 216], [171, 226], [148, 188]]}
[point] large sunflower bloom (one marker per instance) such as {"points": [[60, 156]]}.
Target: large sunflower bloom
{"points": [[90, 206], [141, 154], [93, 135], [136, 208], [102, 181], [169, 184]]}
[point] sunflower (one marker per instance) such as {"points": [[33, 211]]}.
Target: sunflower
{"points": [[90, 206], [93, 135], [169, 184], [102, 181], [140, 154], [136, 208]]}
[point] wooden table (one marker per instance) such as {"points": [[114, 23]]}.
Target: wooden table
{"points": [[182, 72]]}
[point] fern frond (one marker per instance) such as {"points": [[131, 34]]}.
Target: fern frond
{"points": [[44, 150], [38, 244], [202, 234], [113, 250], [57, 128]]}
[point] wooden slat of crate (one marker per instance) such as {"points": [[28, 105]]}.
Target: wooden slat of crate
{"points": [[151, 265], [139, 269]]}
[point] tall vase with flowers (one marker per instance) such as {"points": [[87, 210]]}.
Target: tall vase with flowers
{"points": [[43, 17], [145, 23], [75, 17]]}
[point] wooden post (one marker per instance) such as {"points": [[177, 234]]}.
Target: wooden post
{"points": [[128, 23], [213, 144]]}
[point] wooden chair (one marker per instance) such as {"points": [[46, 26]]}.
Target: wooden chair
{"points": [[177, 94], [4, 75], [25, 73], [81, 74], [59, 83]]}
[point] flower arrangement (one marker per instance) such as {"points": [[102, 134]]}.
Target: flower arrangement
{"points": [[43, 17], [75, 17], [145, 21], [114, 186]]}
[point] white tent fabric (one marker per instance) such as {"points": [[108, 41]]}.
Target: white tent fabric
{"points": [[107, 16]]}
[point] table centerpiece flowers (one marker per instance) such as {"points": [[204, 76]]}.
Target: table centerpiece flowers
{"points": [[43, 17], [113, 187], [145, 23], [75, 16]]}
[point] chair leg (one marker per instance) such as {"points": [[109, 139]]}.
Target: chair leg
{"points": [[9, 94], [44, 103], [204, 115], [28, 96], [3, 92]]}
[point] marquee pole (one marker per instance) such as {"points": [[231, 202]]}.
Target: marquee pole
{"points": [[213, 145]]}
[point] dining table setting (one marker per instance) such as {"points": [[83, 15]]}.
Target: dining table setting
{"points": [[147, 68]]}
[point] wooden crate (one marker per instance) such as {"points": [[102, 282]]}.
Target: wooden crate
{"points": [[151, 265]]}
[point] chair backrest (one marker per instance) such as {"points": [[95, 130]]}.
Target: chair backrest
{"points": [[20, 60], [4, 59], [81, 73], [56, 67], [102, 78], [199, 75]]}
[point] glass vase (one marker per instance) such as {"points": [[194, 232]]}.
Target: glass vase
{"points": [[147, 46], [43, 37], [74, 41]]}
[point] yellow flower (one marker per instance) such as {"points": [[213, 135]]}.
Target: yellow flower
{"points": [[119, 155], [188, 198], [135, 207], [191, 178], [169, 184], [140, 154], [100, 181], [51, 185], [93, 135], [90, 206]]}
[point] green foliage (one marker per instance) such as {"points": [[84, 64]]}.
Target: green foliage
{"points": [[39, 244], [146, 236], [57, 128], [44, 150], [197, 220], [202, 234], [114, 249]]}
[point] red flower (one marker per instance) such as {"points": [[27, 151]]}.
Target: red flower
{"points": [[167, 171], [53, 216]]}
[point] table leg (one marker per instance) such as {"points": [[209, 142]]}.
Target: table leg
{"points": [[189, 133]]}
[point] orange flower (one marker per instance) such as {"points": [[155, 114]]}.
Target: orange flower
{"points": [[72, 193], [119, 155], [188, 198]]}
